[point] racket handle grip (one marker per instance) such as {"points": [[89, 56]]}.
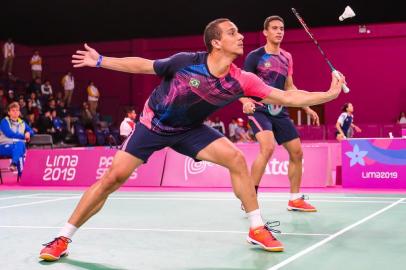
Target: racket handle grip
{"points": [[344, 87]]}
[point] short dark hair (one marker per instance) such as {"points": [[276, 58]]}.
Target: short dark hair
{"points": [[212, 31], [128, 109], [272, 18], [345, 107], [13, 105]]}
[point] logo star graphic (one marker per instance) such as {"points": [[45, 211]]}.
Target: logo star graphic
{"points": [[356, 156]]}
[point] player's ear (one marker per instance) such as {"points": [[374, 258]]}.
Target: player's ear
{"points": [[265, 32], [216, 43]]}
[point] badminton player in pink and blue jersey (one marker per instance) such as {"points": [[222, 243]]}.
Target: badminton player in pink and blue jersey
{"points": [[272, 122], [193, 86]]}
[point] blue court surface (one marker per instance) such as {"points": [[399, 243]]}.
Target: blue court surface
{"points": [[204, 230]]}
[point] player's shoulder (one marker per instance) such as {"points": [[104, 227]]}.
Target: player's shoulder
{"points": [[193, 57], [257, 52], [286, 53]]}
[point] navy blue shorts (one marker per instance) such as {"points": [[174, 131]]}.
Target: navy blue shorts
{"points": [[142, 142], [282, 127]]}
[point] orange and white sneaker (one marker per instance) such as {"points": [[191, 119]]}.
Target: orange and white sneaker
{"points": [[263, 237], [55, 249], [301, 205]]}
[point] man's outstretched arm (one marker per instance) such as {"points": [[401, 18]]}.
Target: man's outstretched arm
{"points": [[300, 98], [91, 58]]}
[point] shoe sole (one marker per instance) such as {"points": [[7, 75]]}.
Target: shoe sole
{"points": [[301, 209], [270, 249], [51, 258]]}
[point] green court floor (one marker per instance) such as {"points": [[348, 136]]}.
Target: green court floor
{"points": [[196, 231]]}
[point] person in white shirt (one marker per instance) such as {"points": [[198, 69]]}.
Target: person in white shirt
{"points": [[68, 83], [402, 118], [8, 53], [93, 95], [128, 124], [218, 125], [36, 65], [231, 129]]}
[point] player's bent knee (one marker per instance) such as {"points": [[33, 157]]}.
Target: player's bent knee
{"points": [[237, 160]]}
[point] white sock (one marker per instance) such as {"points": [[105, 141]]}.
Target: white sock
{"points": [[255, 218], [294, 196], [67, 231]]}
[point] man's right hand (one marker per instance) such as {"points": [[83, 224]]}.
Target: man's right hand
{"points": [[86, 58], [336, 84]]}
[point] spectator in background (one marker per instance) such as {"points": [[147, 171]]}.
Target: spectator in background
{"points": [[63, 113], [58, 97], [8, 53], [11, 97], [402, 118], [23, 108], [86, 117], [218, 125], [128, 124], [35, 87], [241, 133], [93, 95], [3, 103], [231, 129], [59, 128], [208, 122], [44, 123], [46, 92], [345, 123], [36, 65], [68, 83], [14, 132], [36, 104]]}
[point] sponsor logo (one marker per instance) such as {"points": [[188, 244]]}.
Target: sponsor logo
{"points": [[379, 175], [105, 163], [194, 83], [60, 167], [274, 167]]}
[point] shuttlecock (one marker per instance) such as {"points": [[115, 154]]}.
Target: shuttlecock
{"points": [[348, 13]]}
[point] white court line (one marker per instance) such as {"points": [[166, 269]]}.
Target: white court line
{"points": [[224, 195], [331, 237], [19, 196], [214, 199], [153, 230], [31, 203]]}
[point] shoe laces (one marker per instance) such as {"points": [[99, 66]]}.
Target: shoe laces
{"points": [[56, 240], [304, 197], [270, 225]]}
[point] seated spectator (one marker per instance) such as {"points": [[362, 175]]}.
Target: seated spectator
{"points": [[11, 97], [36, 104], [3, 103], [44, 123], [402, 118], [14, 132], [35, 86], [63, 113], [59, 129], [58, 97], [128, 124], [86, 117], [46, 92], [241, 134], [208, 122], [218, 125], [231, 129], [23, 108]]}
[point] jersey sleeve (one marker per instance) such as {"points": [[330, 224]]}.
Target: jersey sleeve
{"points": [[290, 64], [250, 63], [341, 118], [168, 66], [253, 86]]}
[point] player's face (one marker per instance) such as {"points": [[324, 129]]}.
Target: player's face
{"points": [[14, 113], [231, 40], [350, 108], [275, 31]]}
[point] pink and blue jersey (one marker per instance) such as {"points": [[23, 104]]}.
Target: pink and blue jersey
{"points": [[273, 69], [189, 93]]}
